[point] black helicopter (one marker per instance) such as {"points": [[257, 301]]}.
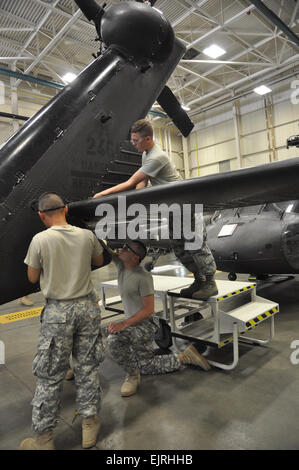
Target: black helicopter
{"points": [[78, 144], [261, 240]]}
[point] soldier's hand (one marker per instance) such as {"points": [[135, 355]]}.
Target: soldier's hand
{"points": [[116, 327]]}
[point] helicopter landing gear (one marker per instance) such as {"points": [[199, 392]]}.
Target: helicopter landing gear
{"points": [[232, 276]]}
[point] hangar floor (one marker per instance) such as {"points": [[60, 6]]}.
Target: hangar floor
{"points": [[253, 407]]}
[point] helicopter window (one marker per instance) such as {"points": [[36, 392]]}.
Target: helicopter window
{"points": [[268, 207], [224, 213], [228, 212], [289, 206], [250, 210]]}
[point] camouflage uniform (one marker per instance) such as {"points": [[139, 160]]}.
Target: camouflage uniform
{"points": [[199, 261], [133, 349], [68, 327]]}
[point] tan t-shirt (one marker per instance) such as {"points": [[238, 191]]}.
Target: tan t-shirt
{"points": [[64, 254], [134, 284], [158, 166]]}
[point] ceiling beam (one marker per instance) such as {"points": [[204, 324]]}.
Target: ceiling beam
{"points": [[35, 32], [243, 80], [52, 43], [3, 59], [235, 57], [221, 26], [274, 19], [224, 62]]}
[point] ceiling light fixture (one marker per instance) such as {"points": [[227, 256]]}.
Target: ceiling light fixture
{"points": [[185, 108], [69, 77], [214, 51], [262, 90]]}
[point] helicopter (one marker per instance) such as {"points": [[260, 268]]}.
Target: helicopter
{"points": [[261, 240], [78, 143]]}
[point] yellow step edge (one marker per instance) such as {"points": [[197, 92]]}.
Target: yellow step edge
{"points": [[22, 315]]}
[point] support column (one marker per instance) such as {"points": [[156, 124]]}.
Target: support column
{"points": [[236, 118], [169, 143], [186, 158], [268, 102], [166, 141], [2, 92], [14, 101]]}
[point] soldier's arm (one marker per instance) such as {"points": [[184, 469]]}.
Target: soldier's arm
{"points": [[132, 182], [142, 183], [33, 274], [97, 260]]}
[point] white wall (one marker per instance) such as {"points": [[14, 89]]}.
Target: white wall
{"points": [[214, 139], [171, 144], [211, 143]]}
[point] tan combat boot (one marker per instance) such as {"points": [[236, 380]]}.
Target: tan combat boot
{"points": [[25, 301], [90, 430], [199, 281], [42, 441], [192, 357], [206, 290], [130, 385]]}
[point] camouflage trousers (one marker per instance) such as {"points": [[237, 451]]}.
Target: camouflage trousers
{"points": [[133, 349], [198, 261], [68, 327]]}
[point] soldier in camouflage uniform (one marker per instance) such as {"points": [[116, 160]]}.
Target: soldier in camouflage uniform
{"points": [[159, 169], [200, 262], [131, 341], [60, 259]]}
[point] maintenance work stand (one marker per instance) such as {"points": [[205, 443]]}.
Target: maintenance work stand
{"points": [[223, 319], [161, 286]]}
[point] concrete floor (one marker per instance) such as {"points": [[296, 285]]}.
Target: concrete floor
{"points": [[253, 407]]}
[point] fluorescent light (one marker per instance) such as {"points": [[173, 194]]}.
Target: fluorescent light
{"points": [[214, 51], [185, 108], [69, 77], [262, 90]]}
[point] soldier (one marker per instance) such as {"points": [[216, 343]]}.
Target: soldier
{"points": [[60, 259], [158, 169], [131, 341]]}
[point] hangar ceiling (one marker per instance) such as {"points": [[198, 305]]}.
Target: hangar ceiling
{"points": [[48, 38]]}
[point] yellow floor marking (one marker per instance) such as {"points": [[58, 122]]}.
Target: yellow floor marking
{"points": [[15, 316]]}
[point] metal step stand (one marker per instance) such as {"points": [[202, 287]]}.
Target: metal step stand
{"points": [[226, 318]]}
